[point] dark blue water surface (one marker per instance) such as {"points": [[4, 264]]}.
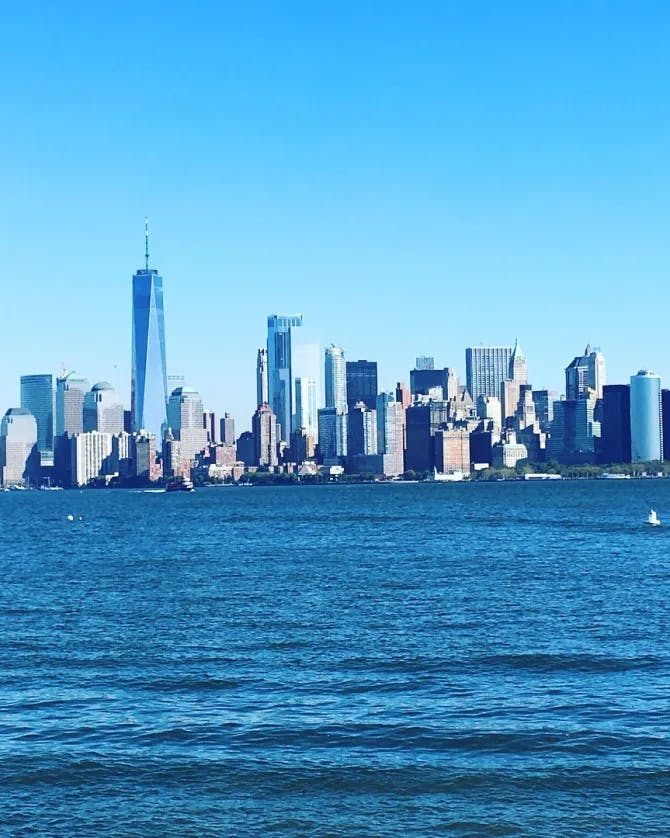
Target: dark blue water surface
{"points": [[361, 660]]}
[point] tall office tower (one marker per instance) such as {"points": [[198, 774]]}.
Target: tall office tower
{"points": [[424, 381], [184, 414], [423, 420], [265, 434], [544, 407], [19, 457], [103, 410], [305, 407], [262, 381], [148, 386], [227, 429], [209, 424], [488, 408], [403, 394], [361, 430], [425, 362], [646, 435], [615, 426], [585, 372], [518, 365], [362, 383], [517, 377], [143, 453], [486, 367], [665, 417], [336, 378], [391, 434], [70, 393], [280, 381], [37, 396], [332, 435]]}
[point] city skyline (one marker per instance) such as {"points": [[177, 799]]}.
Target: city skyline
{"points": [[487, 171]]}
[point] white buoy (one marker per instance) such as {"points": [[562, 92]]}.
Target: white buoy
{"points": [[70, 517]]}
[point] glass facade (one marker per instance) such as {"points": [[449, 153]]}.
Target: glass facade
{"points": [[362, 383], [149, 373], [280, 383], [37, 396]]}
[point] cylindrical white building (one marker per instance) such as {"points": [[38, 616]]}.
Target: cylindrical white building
{"points": [[646, 436]]}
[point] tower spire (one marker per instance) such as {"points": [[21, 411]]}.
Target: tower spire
{"points": [[146, 243]]}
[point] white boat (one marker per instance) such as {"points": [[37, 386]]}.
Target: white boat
{"points": [[653, 519]]}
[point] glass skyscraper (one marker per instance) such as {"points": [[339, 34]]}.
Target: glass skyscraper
{"points": [[336, 378], [37, 396], [279, 369], [148, 392]]}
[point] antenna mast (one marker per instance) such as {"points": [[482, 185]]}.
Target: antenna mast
{"points": [[146, 243]]}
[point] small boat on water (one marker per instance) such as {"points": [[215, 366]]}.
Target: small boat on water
{"points": [[653, 519], [179, 484]]}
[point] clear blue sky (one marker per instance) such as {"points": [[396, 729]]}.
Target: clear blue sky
{"points": [[412, 177]]}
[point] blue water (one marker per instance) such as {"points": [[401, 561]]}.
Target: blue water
{"points": [[361, 660]]}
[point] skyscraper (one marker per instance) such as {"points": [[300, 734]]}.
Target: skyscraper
{"points": [[185, 421], [264, 427], [305, 407], [280, 382], [227, 427], [148, 393], [486, 367], [103, 410], [70, 393], [646, 438], [615, 432], [262, 385], [585, 372], [336, 378], [37, 396], [19, 457], [362, 384], [391, 433]]}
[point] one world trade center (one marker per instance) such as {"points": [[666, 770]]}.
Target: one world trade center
{"points": [[148, 393]]}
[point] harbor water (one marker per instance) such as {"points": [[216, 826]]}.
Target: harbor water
{"points": [[419, 659]]}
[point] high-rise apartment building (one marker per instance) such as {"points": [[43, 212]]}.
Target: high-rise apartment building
{"points": [[37, 396], [391, 434], [19, 456], [148, 393], [585, 372], [646, 435], [361, 383], [280, 380], [262, 381], [486, 367], [265, 436], [306, 407], [103, 410], [335, 378]]}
